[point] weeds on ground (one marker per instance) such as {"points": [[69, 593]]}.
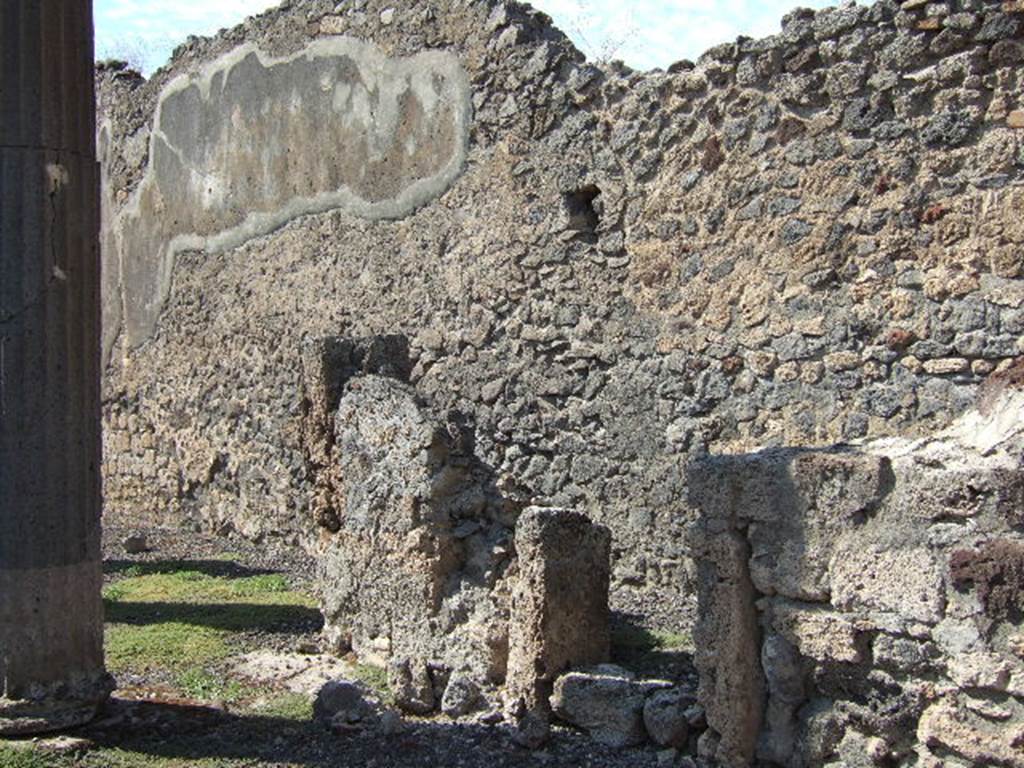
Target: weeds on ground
{"points": [[24, 756], [181, 623], [285, 706], [649, 652], [374, 678]]}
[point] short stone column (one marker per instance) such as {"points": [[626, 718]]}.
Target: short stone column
{"points": [[559, 615], [51, 615]]}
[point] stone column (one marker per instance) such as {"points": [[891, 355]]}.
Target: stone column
{"points": [[559, 614], [51, 615]]}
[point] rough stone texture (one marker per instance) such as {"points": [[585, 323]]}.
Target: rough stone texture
{"points": [[410, 684], [806, 239], [606, 701], [971, 735], [908, 651], [665, 717], [414, 568], [559, 610], [727, 641], [461, 696], [51, 614], [996, 570], [631, 346], [340, 703]]}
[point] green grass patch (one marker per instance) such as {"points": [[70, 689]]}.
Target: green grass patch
{"points": [[204, 685], [173, 646], [640, 639], [24, 756], [375, 678], [182, 621], [286, 706], [266, 584], [649, 652], [191, 587], [127, 758]]}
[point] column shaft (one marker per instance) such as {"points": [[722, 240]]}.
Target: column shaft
{"points": [[51, 616]]}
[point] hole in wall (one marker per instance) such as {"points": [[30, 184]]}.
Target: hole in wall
{"points": [[583, 209]]}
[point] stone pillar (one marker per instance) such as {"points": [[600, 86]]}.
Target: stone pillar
{"points": [[51, 614], [559, 617]]}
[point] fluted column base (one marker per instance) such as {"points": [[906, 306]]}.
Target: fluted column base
{"points": [[33, 651]]}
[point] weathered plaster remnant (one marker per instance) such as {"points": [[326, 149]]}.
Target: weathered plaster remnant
{"points": [[232, 153]]}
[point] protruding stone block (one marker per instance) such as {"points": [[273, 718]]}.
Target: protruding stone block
{"points": [[728, 643], [559, 614], [606, 702]]}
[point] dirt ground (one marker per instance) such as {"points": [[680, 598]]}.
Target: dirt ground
{"points": [[214, 645]]}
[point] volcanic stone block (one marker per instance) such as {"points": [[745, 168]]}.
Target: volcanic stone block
{"points": [[798, 503], [559, 613], [412, 567], [907, 582], [606, 702], [728, 646]]}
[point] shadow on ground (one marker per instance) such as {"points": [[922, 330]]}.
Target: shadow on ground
{"points": [[650, 653], [219, 568], [184, 731], [231, 617]]}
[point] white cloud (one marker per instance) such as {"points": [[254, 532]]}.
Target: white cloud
{"points": [[152, 28], [656, 33], [644, 33]]}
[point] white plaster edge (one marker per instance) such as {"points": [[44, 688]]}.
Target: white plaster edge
{"points": [[259, 224]]}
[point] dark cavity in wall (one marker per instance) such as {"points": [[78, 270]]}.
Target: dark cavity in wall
{"points": [[582, 207]]}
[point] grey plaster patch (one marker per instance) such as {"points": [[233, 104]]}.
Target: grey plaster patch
{"points": [[251, 142], [110, 264]]}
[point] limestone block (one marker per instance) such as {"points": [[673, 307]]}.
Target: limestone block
{"points": [[818, 633], [608, 703], [559, 609], [981, 671], [907, 582], [948, 726], [727, 639], [798, 502], [389, 573]]}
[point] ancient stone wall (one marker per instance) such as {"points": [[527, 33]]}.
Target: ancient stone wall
{"points": [[599, 274], [862, 607]]}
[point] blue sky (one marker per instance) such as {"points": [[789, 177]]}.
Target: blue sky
{"points": [[643, 33]]}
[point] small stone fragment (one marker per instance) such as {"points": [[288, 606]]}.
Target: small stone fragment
{"points": [[532, 731], [411, 686], [461, 696], [135, 544], [341, 703], [665, 717]]}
